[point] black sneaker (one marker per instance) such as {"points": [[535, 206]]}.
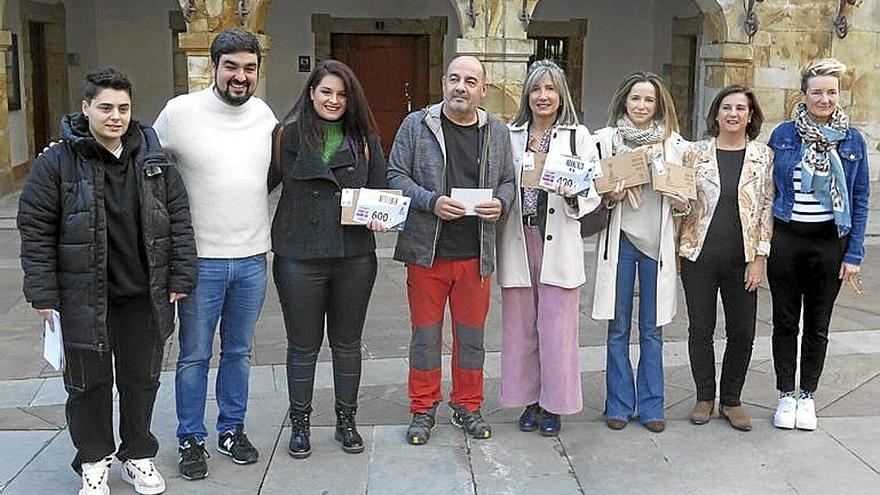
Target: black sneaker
{"points": [[236, 445], [192, 464], [471, 422], [419, 431]]}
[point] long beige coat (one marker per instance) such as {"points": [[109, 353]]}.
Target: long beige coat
{"points": [[609, 242], [563, 261]]}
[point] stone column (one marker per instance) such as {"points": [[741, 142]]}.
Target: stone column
{"points": [[497, 36], [721, 64], [7, 179], [207, 18]]}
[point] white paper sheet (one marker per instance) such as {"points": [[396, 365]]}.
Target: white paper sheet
{"points": [[390, 209], [53, 345], [470, 197]]}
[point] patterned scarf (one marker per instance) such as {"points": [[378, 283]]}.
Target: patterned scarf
{"points": [[634, 137], [820, 140]]}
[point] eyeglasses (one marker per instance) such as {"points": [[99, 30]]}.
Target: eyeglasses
{"points": [[855, 281]]}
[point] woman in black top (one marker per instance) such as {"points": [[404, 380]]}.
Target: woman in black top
{"points": [[323, 269], [724, 242]]}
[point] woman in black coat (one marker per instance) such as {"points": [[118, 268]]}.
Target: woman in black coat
{"points": [[323, 269]]}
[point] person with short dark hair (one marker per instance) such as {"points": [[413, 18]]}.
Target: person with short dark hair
{"points": [[221, 137], [724, 242], [324, 270], [820, 216], [106, 241]]}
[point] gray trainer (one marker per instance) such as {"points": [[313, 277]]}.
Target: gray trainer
{"points": [[419, 431], [471, 422]]}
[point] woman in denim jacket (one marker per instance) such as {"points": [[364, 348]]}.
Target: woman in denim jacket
{"points": [[820, 210]]}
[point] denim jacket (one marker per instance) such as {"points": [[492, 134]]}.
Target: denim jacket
{"points": [[788, 149]]}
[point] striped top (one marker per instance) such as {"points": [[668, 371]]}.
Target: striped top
{"points": [[807, 207]]}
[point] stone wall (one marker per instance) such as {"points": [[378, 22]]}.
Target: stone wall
{"points": [[794, 33]]}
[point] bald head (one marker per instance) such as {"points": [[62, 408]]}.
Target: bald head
{"points": [[467, 61], [464, 87]]}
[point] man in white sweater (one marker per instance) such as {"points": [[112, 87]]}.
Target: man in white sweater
{"points": [[221, 140]]}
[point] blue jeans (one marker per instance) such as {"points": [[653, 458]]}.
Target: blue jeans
{"points": [[623, 396], [230, 291]]}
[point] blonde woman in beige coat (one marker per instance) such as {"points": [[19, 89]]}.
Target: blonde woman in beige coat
{"points": [[640, 239], [541, 261]]}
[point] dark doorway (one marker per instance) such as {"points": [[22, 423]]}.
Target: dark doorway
{"points": [[393, 69], [40, 85]]}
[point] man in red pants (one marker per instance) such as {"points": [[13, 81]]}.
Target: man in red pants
{"points": [[450, 254]]}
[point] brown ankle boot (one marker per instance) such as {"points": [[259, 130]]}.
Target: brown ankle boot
{"points": [[702, 412], [736, 416]]}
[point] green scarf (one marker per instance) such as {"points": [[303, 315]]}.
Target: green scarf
{"points": [[332, 140]]}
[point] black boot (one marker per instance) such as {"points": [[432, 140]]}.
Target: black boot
{"points": [[346, 430], [299, 446]]}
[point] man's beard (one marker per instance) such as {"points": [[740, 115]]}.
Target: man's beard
{"points": [[231, 99]]}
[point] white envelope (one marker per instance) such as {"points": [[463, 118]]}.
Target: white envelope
{"points": [[470, 197], [53, 344]]}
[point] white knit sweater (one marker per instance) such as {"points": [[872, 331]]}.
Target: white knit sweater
{"points": [[223, 154]]}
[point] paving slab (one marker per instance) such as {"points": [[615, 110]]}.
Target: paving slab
{"points": [[14, 418], [440, 467], [857, 435], [328, 471], [15, 393], [34, 473], [51, 392], [616, 462], [52, 414], [264, 420], [862, 401], [813, 463], [515, 462]]}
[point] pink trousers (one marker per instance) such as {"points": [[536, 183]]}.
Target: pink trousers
{"points": [[539, 341]]}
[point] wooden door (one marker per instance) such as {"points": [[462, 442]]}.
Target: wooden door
{"points": [[393, 69], [40, 85]]}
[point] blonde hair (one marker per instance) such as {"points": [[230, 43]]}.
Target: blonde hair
{"points": [[566, 114], [665, 111], [823, 67]]}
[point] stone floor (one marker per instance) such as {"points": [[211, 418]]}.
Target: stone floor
{"points": [[842, 456]]}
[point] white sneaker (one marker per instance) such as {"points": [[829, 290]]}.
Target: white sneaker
{"points": [[143, 475], [785, 413], [94, 477], [806, 414]]}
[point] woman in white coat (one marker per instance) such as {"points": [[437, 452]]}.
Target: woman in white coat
{"points": [[541, 260], [640, 239]]}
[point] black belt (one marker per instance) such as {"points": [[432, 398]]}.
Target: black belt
{"points": [[530, 220]]}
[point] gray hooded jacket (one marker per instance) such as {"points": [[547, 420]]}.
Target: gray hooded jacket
{"points": [[417, 166]]}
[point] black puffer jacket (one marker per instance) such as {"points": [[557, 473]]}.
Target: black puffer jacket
{"points": [[63, 225]]}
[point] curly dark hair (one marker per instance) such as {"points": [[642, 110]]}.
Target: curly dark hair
{"points": [[102, 78]]}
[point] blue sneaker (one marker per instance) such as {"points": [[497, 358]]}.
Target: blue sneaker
{"points": [[550, 423], [528, 420]]}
